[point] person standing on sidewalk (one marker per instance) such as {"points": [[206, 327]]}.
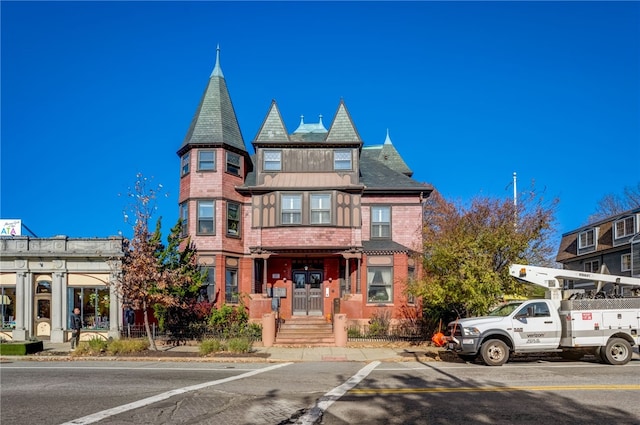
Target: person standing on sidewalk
{"points": [[76, 325]]}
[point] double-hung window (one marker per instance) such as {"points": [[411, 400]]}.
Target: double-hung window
{"points": [[342, 159], [185, 164], [184, 217], [321, 209], [625, 227], [587, 239], [625, 263], [231, 285], [380, 222], [206, 160], [233, 219], [592, 266], [206, 217], [233, 163], [291, 208], [272, 160]]}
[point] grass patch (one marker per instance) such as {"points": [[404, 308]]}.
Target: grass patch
{"points": [[127, 346], [209, 346], [239, 345], [20, 348], [231, 345]]}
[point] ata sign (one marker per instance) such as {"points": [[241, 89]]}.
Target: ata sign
{"points": [[10, 227]]}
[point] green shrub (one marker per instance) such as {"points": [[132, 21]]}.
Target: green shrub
{"points": [[239, 345], [126, 346], [209, 346], [95, 346], [379, 323]]}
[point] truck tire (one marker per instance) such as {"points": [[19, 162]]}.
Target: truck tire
{"points": [[494, 352], [617, 351]]}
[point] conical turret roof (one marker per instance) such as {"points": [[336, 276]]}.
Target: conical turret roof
{"points": [[215, 122]]}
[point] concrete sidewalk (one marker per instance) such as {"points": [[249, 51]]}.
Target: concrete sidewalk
{"points": [[261, 354]]}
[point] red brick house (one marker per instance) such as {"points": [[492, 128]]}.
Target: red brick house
{"points": [[313, 218]]}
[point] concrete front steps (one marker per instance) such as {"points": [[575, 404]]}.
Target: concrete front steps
{"points": [[312, 331]]}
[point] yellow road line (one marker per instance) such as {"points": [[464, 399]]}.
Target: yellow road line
{"points": [[364, 391]]}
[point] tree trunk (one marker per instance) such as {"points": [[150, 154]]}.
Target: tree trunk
{"points": [[152, 343]]}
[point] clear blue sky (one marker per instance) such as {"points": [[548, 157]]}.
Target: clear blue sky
{"points": [[93, 93]]}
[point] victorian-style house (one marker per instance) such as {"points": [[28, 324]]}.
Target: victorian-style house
{"points": [[312, 222]]}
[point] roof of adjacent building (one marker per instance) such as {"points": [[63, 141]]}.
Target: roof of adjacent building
{"points": [[214, 122], [388, 155], [383, 246], [568, 248]]}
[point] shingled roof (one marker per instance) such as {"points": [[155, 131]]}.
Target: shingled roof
{"points": [[214, 122], [388, 155]]}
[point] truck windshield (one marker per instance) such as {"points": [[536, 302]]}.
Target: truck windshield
{"points": [[504, 310]]}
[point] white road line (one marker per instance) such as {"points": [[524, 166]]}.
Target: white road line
{"points": [[314, 414], [138, 368], [150, 400]]}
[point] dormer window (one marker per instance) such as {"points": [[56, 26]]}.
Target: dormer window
{"points": [[625, 227], [272, 160], [342, 160], [587, 239]]}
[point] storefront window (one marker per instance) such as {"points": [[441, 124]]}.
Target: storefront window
{"points": [[93, 304], [8, 306]]}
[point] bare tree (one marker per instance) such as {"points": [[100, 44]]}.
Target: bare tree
{"points": [[612, 204]]}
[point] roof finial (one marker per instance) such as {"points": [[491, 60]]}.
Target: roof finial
{"points": [[320, 116], [217, 71], [301, 119], [387, 141]]}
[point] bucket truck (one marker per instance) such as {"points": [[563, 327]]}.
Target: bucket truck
{"points": [[570, 322]]}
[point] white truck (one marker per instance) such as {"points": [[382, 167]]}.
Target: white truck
{"points": [[572, 322]]}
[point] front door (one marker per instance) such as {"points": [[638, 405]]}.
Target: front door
{"points": [[42, 310], [307, 292]]}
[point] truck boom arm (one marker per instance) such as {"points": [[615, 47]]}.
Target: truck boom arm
{"points": [[547, 277]]}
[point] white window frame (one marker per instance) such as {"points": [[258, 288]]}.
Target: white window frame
{"points": [[585, 244], [342, 160], [205, 219], [207, 164], [627, 229], [378, 222], [625, 262], [291, 209], [184, 216], [320, 211], [272, 160]]}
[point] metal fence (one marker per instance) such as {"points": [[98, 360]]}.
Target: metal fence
{"points": [[183, 334], [402, 332]]}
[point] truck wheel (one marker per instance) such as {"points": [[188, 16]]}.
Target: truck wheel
{"points": [[617, 351], [494, 352]]}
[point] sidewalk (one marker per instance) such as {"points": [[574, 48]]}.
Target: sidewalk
{"points": [[60, 351]]}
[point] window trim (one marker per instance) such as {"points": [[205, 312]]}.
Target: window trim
{"points": [[277, 163], [238, 220], [380, 224], [184, 216], [231, 166], [293, 212], [212, 218], [591, 263], [627, 232], [388, 286], [201, 161], [320, 210], [231, 297], [586, 232]]}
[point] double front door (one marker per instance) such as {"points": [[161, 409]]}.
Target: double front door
{"points": [[307, 292]]}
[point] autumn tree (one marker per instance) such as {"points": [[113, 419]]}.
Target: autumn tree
{"points": [[468, 250], [612, 204], [149, 277]]}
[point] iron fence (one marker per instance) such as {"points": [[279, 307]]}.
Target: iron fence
{"points": [[183, 334], [372, 332]]}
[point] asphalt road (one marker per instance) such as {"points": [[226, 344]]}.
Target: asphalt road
{"points": [[331, 393]]}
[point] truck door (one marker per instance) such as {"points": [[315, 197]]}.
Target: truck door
{"points": [[535, 327]]}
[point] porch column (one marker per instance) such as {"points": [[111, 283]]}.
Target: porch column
{"points": [[347, 281], [57, 307], [23, 303], [115, 312], [264, 276]]}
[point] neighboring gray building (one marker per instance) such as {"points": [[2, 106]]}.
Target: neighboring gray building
{"points": [[43, 279], [612, 245]]}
